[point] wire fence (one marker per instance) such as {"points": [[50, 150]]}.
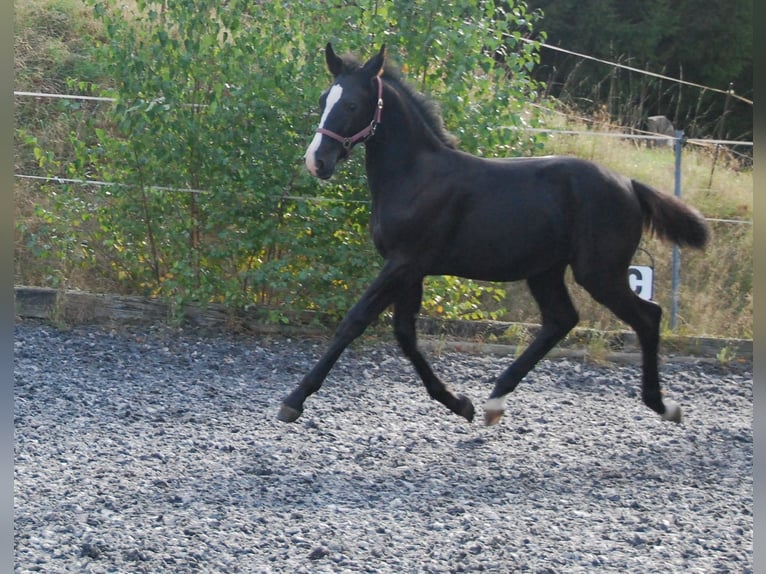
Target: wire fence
{"points": [[643, 136], [729, 92]]}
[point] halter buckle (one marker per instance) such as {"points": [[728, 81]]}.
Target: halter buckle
{"points": [[373, 127]]}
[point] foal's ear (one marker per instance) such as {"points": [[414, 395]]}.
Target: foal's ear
{"points": [[374, 66], [334, 63]]}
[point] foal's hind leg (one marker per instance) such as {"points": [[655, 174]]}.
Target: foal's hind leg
{"points": [[405, 312], [558, 318], [644, 318]]}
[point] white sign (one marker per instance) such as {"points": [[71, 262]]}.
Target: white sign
{"points": [[641, 278]]}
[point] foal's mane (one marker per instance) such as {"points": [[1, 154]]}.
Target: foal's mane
{"points": [[426, 108]]}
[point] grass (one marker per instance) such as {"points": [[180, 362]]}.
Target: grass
{"points": [[52, 38], [715, 286]]}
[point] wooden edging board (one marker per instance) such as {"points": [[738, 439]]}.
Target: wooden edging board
{"points": [[70, 307]]}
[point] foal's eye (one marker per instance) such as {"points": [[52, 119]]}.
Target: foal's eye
{"points": [[350, 106]]}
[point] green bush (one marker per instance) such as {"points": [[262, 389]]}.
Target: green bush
{"points": [[216, 103]]}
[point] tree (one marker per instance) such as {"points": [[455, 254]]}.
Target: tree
{"points": [[215, 105], [708, 42]]}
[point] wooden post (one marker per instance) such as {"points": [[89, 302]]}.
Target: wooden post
{"points": [[719, 132], [676, 252]]}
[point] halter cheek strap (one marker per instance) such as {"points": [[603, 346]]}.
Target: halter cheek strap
{"points": [[367, 132]]}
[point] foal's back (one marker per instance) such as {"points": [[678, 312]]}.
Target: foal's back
{"points": [[508, 219]]}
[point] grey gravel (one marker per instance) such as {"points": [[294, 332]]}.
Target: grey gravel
{"points": [[158, 450]]}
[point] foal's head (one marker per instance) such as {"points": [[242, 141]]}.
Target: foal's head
{"points": [[349, 109]]}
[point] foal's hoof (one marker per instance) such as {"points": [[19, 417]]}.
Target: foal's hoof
{"points": [[493, 411], [672, 412], [288, 414], [492, 417], [466, 409]]}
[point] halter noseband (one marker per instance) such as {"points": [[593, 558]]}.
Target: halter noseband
{"points": [[367, 132]]}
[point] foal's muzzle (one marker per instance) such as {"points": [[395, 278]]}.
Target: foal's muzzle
{"points": [[322, 159], [323, 171]]}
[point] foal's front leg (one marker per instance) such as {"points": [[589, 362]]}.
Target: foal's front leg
{"points": [[378, 296], [405, 314]]}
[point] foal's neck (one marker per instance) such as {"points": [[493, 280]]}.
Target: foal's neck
{"points": [[399, 143]]}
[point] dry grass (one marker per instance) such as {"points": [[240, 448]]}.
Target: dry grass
{"points": [[716, 286]]}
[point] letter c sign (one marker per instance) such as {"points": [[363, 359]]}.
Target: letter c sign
{"points": [[641, 278]]}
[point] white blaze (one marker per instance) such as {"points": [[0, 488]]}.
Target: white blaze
{"points": [[333, 96]]}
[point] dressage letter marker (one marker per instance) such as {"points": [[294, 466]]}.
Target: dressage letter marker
{"points": [[641, 279]]}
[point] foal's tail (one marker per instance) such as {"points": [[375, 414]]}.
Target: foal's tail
{"points": [[670, 218]]}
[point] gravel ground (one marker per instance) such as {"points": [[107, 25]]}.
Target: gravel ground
{"points": [[158, 450]]}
